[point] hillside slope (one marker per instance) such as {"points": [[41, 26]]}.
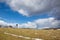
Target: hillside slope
{"points": [[32, 33]]}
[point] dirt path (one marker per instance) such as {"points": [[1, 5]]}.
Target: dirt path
{"points": [[22, 36]]}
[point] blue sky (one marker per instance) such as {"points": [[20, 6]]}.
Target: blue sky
{"points": [[9, 15], [30, 13]]}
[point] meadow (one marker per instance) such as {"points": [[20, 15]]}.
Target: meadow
{"points": [[32, 33]]}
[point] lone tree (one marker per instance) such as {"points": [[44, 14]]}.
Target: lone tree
{"points": [[16, 25]]}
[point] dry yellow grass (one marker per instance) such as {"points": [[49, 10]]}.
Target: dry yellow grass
{"points": [[43, 34]]}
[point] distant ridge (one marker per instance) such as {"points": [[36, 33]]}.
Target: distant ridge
{"points": [[51, 28]]}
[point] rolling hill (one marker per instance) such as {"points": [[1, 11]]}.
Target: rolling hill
{"points": [[28, 34]]}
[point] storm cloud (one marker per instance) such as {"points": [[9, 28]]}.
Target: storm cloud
{"points": [[32, 7]]}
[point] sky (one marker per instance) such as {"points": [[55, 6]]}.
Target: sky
{"points": [[30, 13], [9, 15]]}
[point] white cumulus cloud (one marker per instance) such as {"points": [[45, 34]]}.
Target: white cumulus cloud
{"points": [[2, 22], [44, 23], [41, 23], [38, 24], [28, 25]]}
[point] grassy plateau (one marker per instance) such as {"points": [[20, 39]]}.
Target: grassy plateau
{"points": [[33, 33]]}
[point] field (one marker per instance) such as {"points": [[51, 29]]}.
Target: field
{"points": [[5, 34]]}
